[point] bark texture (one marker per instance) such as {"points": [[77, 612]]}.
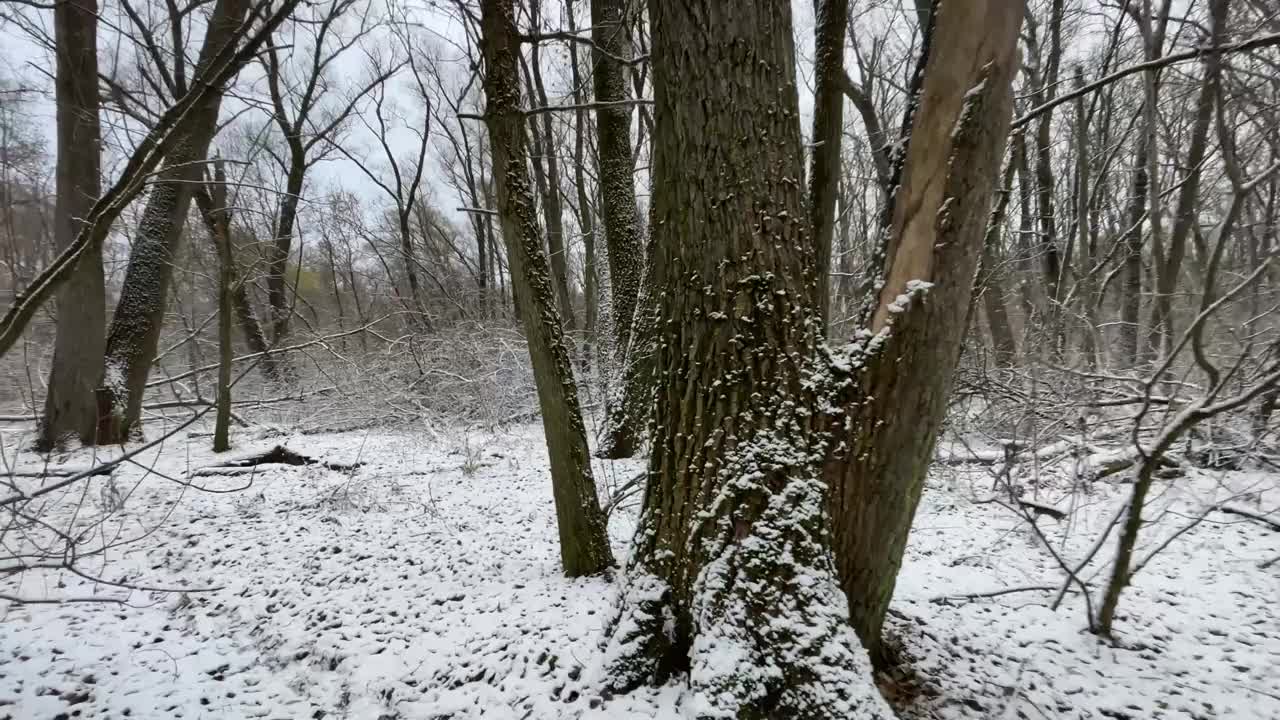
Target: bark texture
{"points": [[625, 250], [938, 218], [139, 315], [70, 408], [731, 577], [584, 546]]}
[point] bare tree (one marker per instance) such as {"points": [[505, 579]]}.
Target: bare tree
{"points": [[754, 414], [135, 327], [611, 52], [584, 546], [310, 126], [70, 407]]}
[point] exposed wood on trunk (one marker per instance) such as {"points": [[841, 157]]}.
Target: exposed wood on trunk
{"points": [[939, 216]]}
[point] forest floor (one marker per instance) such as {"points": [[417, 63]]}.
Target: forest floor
{"points": [[425, 583]]}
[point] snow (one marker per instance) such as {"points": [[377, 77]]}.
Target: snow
{"points": [[426, 584]]}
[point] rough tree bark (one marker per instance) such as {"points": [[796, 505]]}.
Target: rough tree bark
{"points": [[731, 576], [937, 223], [70, 408], [626, 258], [135, 327], [584, 545]]}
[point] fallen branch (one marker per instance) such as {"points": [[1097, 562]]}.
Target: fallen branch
{"points": [[945, 599], [1229, 510]]}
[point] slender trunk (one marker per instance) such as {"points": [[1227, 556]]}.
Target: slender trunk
{"points": [[630, 352], [584, 545], [1153, 45], [828, 122], [419, 319], [221, 229], [337, 290], [544, 144], [135, 327], [241, 306], [1026, 244], [990, 283], [70, 406], [1185, 218], [1084, 295], [1131, 283], [282, 244], [586, 221], [935, 235]]}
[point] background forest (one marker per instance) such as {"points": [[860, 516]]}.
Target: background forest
{"points": [[884, 358]]}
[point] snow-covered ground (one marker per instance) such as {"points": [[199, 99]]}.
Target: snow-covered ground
{"points": [[425, 583]]}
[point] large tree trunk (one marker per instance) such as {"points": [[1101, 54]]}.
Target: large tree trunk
{"points": [[626, 260], [937, 223], [584, 546], [70, 408], [139, 316], [731, 576], [828, 123]]}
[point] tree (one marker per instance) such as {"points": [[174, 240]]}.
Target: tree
{"points": [[70, 406], [584, 545], [934, 235], [171, 129], [610, 55], [310, 128], [731, 575], [828, 122], [753, 412], [135, 327]]}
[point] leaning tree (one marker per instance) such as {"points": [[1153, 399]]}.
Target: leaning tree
{"points": [[733, 577]]}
